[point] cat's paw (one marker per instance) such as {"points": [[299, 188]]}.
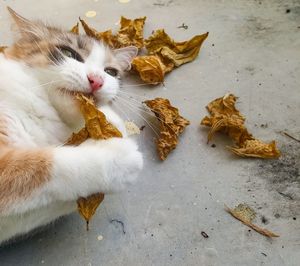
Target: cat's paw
{"points": [[126, 163]]}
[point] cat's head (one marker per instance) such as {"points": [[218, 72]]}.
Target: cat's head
{"points": [[68, 62]]}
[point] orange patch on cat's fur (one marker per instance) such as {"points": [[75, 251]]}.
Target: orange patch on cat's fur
{"points": [[30, 52], [22, 172]]}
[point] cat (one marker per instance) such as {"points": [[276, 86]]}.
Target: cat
{"points": [[40, 179]]}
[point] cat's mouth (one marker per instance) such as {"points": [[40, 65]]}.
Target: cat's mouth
{"points": [[73, 93]]}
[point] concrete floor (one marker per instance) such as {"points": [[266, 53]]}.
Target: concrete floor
{"points": [[253, 50]]}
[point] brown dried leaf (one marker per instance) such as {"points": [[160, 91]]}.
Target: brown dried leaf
{"points": [[108, 38], [96, 127], [226, 118], [245, 214], [256, 148], [130, 33], [88, 206], [95, 121], [165, 54], [75, 29], [177, 52], [89, 30], [150, 68], [171, 125], [78, 138]]}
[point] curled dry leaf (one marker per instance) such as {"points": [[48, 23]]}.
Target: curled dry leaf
{"points": [[165, 54], [256, 148], [96, 127], [75, 29], [226, 118], [171, 125], [150, 68], [89, 30], [177, 52], [130, 33], [245, 214]]}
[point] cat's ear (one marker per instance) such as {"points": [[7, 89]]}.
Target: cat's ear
{"points": [[26, 27], [125, 56]]}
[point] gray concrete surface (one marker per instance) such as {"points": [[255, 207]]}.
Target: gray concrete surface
{"points": [[253, 50]]}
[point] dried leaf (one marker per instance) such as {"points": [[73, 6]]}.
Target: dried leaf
{"points": [[226, 118], [165, 54], [89, 30], [75, 29], [258, 149], [245, 214], [171, 125], [78, 138], [150, 68], [130, 33], [108, 38], [177, 52], [88, 206], [96, 127]]}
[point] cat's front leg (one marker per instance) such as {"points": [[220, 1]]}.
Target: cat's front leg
{"points": [[95, 166], [32, 178]]}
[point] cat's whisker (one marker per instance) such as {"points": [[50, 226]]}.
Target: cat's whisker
{"points": [[132, 94], [148, 112], [141, 84], [153, 129], [133, 111], [131, 98], [123, 112], [44, 84]]}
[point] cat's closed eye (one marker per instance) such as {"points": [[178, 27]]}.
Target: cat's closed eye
{"points": [[69, 52], [111, 71]]}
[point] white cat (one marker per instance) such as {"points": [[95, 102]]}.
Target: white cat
{"points": [[40, 179]]}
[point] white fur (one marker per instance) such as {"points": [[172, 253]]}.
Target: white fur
{"points": [[40, 116]]}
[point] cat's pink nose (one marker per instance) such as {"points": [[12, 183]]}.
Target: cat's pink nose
{"points": [[96, 82]]}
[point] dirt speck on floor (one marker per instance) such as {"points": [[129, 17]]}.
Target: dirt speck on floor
{"points": [[282, 179]]}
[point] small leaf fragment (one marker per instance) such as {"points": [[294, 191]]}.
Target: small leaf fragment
{"points": [[171, 125], [132, 128], [245, 214]]}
